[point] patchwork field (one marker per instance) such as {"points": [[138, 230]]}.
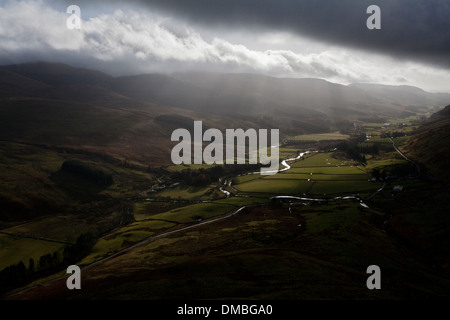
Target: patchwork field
{"points": [[318, 173]]}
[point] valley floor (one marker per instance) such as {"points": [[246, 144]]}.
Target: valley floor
{"points": [[304, 233]]}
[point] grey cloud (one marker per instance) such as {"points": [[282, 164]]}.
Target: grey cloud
{"points": [[145, 40], [125, 37], [411, 29]]}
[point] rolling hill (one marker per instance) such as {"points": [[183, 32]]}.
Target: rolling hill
{"points": [[431, 144], [81, 181], [56, 104]]}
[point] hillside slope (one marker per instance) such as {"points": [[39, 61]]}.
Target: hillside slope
{"points": [[243, 93], [56, 104], [431, 144]]}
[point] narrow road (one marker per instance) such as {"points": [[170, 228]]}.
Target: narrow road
{"points": [[167, 233], [140, 243], [405, 157]]}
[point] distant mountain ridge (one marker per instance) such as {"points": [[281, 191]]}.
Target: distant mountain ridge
{"points": [[57, 104], [240, 93]]}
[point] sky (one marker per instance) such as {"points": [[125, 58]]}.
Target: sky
{"points": [[326, 39]]}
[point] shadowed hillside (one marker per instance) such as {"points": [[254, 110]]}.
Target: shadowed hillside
{"points": [[431, 144], [56, 104], [87, 156]]}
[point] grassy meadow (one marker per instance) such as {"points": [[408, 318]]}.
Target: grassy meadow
{"points": [[321, 136]]}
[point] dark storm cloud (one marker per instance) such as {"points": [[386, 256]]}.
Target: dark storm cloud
{"points": [[268, 37], [411, 29]]}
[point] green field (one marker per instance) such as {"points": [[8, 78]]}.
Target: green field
{"points": [[389, 159], [322, 159], [293, 187], [329, 176], [248, 177], [124, 238], [146, 209], [349, 170], [15, 249], [318, 176], [194, 212], [332, 187], [286, 153], [190, 193], [60, 228], [275, 186], [321, 137]]}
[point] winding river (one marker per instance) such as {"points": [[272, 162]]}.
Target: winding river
{"points": [[286, 166]]}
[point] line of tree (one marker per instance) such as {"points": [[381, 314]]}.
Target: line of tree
{"points": [[355, 154], [17, 275]]}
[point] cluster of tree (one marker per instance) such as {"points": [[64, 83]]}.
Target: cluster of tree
{"points": [[17, 275], [14, 276], [355, 154], [394, 134], [357, 151], [88, 172], [205, 176], [352, 150], [372, 149], [80, 249], [357, 138], [199, 177]]}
